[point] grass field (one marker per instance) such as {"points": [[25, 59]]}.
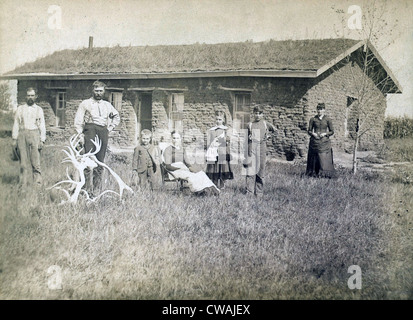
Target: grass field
{"points": [[398, 150], [297, 242]]}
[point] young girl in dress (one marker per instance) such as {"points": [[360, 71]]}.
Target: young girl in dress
{"points": [[218, 156]]}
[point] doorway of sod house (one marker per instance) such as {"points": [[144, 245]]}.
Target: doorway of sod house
{"points": [[145, 112]]}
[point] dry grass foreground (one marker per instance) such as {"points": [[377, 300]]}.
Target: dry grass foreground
{"points": [[297, 242]]}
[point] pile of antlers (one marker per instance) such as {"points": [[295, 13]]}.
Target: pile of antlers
{"points": [[81, 162]]}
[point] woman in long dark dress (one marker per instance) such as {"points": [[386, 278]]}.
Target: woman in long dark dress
{"points": [[218, 166], [320, 154]]}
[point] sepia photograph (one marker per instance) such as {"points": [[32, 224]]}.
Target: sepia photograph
{"points": [[206, 150]]}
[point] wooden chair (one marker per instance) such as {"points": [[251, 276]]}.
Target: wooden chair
{"points": [[167, 175]]}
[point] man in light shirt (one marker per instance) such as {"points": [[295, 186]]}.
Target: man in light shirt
{"points": [[96, 117], [29, 134]]}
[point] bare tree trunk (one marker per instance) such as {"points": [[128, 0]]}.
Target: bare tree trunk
{"points": [[356, 142]]}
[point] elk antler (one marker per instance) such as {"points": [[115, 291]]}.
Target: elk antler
{"points": [[122, 185], [76, 187], [98, 145], [80, 163]]}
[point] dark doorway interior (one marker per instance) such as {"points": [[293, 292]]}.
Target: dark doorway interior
{"points": [[145, 112]]}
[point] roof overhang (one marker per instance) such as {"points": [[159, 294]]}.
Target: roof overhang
{"points": [[357, 46], [385, 67], [166, 75]]}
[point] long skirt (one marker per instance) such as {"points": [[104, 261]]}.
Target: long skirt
{"points": [[219, 171], [320, 164]]}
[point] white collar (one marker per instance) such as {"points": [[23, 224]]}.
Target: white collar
{"points": [[219, 127]]}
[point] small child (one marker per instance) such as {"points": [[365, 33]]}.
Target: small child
{"points": [[145, 160]]}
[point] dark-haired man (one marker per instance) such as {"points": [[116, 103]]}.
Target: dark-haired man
{"points": [[96, 117], [29, 134]]}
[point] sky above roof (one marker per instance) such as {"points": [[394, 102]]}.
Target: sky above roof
{"points": [[33, 29]]}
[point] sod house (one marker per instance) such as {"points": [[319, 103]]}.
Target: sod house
{"points": [[162, 88]]}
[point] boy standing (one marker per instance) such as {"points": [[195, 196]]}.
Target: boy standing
{"points": [[257, 152], [145, 161]]}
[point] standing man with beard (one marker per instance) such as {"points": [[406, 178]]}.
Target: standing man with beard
{"points": [[29, 134], [96, 117]]}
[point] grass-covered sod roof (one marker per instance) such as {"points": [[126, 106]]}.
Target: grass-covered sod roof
{"points": [[306, 55]]}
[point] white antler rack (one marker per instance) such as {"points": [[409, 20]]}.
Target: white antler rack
{"points": [[80, 163]]}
